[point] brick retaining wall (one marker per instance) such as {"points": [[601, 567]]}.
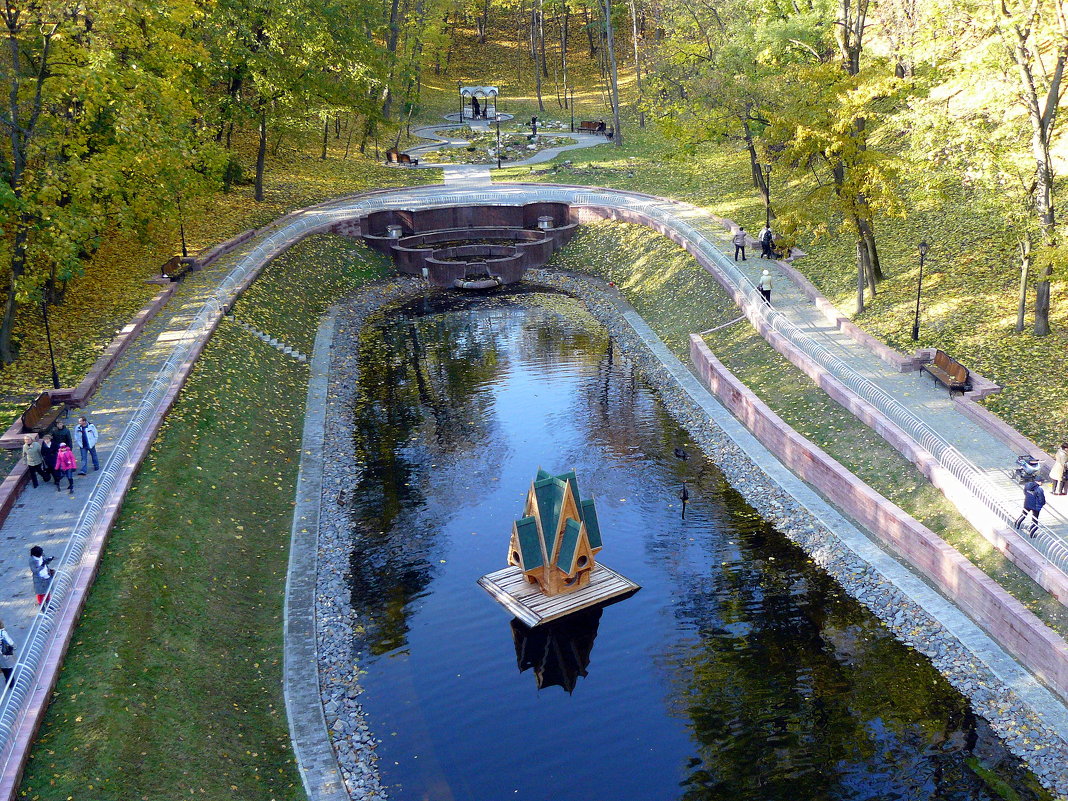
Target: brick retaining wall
{"points": [[1016, 628]]}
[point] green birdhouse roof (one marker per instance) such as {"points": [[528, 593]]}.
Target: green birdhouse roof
{"points": [[535, 532]]}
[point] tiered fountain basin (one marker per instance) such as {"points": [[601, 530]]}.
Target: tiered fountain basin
{"points": [[470, 247]]}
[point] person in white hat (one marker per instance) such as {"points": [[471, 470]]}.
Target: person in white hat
{"points": [[765, 286]]}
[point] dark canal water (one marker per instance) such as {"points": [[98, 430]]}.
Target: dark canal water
{"points": [[739, 671]]}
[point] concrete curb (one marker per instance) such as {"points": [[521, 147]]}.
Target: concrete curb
{"points": [[307, 723]]}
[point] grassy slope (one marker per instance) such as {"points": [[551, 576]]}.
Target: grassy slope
{"points": [[970, 282], [171, 687], [676, 297]]}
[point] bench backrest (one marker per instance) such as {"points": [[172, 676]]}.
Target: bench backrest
{"points": [[951, 366], [405, 158], [38, 409], [172, 265], [392, 156]]}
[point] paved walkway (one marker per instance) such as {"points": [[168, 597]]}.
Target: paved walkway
{"points": [[916, 391]]}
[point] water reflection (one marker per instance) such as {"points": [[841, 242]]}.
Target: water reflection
{"points": [[740, 671], [558, 651]]}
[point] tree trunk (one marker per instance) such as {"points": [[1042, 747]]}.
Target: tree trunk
{"points": [[18, 266], [563, 51], [326, 135], [637, 64], [867, 230], [541, 40], [534, 54], [860, 277], [1025, 270], [261, 151], [617, 137], [483, 22], [589, 31], [1042, 289]]}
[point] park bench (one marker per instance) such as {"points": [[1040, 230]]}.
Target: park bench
{"points": [[949, 372], [396, 157], [42, 414], [175, 267], [591, 126]]}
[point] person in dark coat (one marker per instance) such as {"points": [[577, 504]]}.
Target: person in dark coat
{"points": [[41, 572], [1034, 500], [475, 108], [61, 434], [7, 653], [49, 451]]}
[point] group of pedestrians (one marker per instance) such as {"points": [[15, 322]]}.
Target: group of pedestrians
{"points": [[766, 239], [51, 456], [1035, 497]]}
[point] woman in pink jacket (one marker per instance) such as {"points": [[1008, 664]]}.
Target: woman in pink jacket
{"points": [[66, 464]]}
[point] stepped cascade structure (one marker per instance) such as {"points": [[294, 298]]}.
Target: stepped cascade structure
{"points": [[469, 247]]}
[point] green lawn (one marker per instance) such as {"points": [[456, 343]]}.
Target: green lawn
{"points": [[172, 688]]}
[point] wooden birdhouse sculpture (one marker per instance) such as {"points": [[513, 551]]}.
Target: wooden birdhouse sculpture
{"points": [[557, 539]]}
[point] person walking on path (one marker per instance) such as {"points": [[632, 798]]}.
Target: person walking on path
{"points": [[764, 286], [7, 654], [475, 108], [61, 434], [739, 243], [41, 572], [764, 237], [1058, 474], [85, 434], [1034, 500], [49, 451], [65, 467], [31, 452]]}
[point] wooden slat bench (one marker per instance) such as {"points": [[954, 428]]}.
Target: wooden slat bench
{"points": [[949, 372], [588, 126], [396, 157], [176, 267], [42, 414]]}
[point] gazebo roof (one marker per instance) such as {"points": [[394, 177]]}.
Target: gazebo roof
{"points": [[479, 91]]}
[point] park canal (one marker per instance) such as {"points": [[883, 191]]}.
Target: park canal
{"points": [[739, 671]]}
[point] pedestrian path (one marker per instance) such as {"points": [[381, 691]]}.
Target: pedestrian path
{"points": [[915, 391]]}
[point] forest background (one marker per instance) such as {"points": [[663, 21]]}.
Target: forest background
{"points": [[136, 130]]}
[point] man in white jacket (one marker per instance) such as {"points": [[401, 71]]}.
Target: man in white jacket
{"points": [[85, 437]]}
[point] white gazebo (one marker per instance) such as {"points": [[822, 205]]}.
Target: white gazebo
{"points": [[484, 95]]}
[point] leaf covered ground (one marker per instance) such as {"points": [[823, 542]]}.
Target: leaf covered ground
{"points": [[171, 688]]}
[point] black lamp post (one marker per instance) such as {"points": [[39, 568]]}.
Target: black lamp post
{"points": [[572, 109], [767, 190], [919, 287], [459, 91], [181, 225], [498, 141], [48, 336]]}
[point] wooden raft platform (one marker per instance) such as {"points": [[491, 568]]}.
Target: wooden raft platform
{"points": [[526, 601]]}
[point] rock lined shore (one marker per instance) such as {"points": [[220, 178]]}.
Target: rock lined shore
{"points": [[1043, 750]]}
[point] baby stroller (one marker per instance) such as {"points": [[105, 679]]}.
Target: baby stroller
{"points": [[1026, 468]]}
